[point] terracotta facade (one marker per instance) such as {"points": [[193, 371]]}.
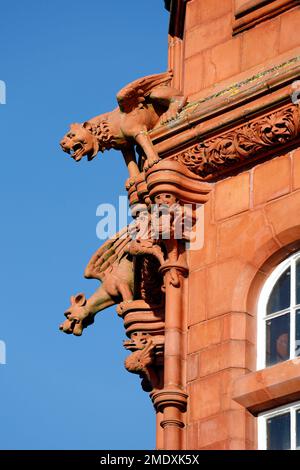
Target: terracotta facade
{"points": [[235, 60], [221, 129]]}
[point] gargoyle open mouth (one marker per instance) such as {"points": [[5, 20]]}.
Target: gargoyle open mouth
{"points": [[77, 151], [80, 142]]}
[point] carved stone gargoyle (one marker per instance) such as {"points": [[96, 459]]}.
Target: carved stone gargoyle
{"points": [[113, 265], [144, 104], [114, 268], [146, 351]]}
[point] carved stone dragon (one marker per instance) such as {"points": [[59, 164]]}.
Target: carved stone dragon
{"points": [[143, 105], [111, 265]]}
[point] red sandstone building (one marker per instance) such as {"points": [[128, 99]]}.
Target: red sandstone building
{"points": [[219, 352], [239, 60]]}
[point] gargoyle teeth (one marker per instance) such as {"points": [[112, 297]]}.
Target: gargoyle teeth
{"points": [[77, 147], [77, 151]]}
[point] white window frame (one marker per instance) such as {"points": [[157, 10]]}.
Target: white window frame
{"points": [[262, 424], [262, 306]]}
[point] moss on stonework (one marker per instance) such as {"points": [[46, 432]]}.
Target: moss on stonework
{"points": [[235, 88], [232, 90]]}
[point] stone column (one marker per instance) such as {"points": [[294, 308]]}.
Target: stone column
{"points": [[172, 399]]}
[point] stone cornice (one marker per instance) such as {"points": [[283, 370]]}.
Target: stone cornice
{"points": [[235, 116], [256, 11], [243, 145]]}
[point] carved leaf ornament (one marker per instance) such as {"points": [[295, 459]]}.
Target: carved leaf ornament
{"points": [[241, 144]]}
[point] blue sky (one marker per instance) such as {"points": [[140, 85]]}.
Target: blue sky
{"points": [[63, 61]]}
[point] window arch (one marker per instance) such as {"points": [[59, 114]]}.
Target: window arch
{"points": [[278, 336]]}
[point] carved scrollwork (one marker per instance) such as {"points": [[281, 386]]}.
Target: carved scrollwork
{"points": [[146, 352], [263, 134]]}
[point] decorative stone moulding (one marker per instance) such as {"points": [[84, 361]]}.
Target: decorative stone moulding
{"points": [[248, 142], [169, 176], [172, 177], [237, 126], [183, 150], [250, 13]]}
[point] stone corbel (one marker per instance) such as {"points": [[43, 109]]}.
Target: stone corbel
{"points": [[144, 325], [168, 176], [168, 185]]}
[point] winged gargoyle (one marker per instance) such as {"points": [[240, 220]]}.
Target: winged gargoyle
{"points": [[111, 265], [143, 105]]}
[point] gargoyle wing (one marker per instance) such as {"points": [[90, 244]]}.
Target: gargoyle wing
{"points": [[108, 254], [134, 94]]}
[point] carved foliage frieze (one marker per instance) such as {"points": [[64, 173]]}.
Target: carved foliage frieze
{"points": [[239, 145]]}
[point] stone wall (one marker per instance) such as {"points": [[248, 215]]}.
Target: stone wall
{"points": [[252, 218]]}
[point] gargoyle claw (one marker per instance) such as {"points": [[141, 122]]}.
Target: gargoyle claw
{"points": [[130, 182], [168, 117], [150, 164], [121, 307]]}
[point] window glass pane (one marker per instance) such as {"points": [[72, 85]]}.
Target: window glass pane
{"points": [[278, 339], [298, 429], [297, 345], [278, 432], [281, 293], [298, 281]]}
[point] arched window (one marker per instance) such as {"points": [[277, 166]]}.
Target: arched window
{"points": [[279, 315]]}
